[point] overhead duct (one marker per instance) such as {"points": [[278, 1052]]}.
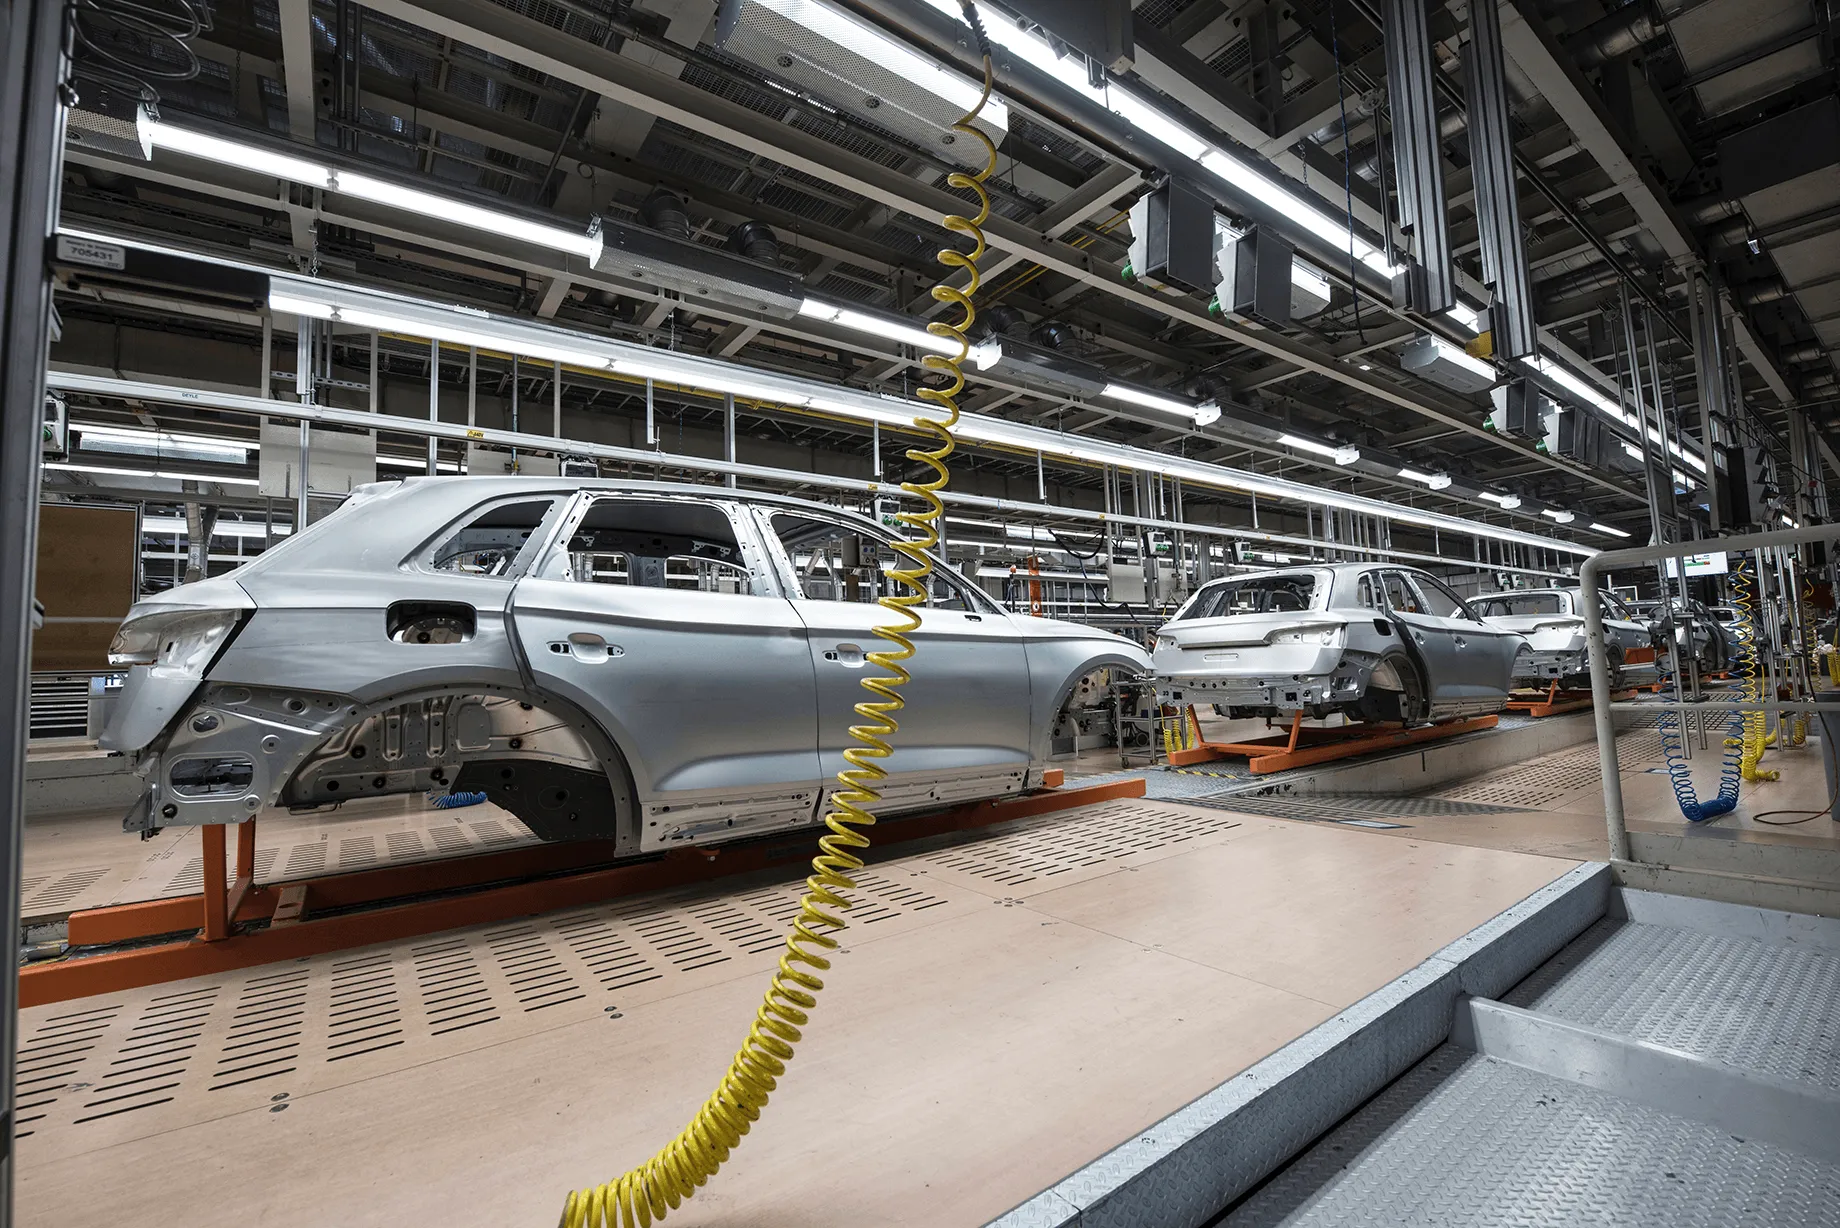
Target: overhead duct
{"points": [[854, 65], [1627, 29]]}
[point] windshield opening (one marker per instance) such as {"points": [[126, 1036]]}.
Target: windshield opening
{"points": [[1512, 605], [1284, 592]]}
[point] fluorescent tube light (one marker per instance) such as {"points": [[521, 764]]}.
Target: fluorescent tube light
{"points": [[246, 156], [712, 378], [1340, 455], [460, 213], [154, 473], [161, 444], [1436, 481], [1505, 502], [1469, 317], [859, 37], [1609, 529], [223, 528], [877, 326], [1149, 400], [1558, 514], [239, 154]]}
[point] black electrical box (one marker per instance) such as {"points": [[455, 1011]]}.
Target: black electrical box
{"points": [[1523, 415], [1580, 438], [1262, 276], [1179, 238]]}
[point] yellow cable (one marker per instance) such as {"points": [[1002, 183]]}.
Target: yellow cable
{"points": [[666, 1180]]}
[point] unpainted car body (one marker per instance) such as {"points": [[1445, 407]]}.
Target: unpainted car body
{"points": [[1688, 629], [1378, 642], [643, 662], [1552, 619]]}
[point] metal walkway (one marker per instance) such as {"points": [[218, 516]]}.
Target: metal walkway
{"points": [[1678, 1065]]}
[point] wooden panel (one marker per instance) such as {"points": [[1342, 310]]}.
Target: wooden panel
{"points": [[86, 580]]}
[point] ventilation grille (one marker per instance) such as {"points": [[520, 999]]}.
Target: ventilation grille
{"points": [[148, 1061], [1545, 781], [147, 871], [1045, 848], [1356, 810]]}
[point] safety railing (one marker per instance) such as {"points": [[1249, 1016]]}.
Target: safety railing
{"points": [[1591, 576]]}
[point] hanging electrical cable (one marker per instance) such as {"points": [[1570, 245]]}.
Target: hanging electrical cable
{"points": [[131, 45], [686, 1163]]}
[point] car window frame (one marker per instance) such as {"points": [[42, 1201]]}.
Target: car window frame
{"points": [[764, 577], [979, 602], [1405, 578], [421, 559], [1420, 579]]}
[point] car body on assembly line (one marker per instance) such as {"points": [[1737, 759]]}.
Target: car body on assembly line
{"points": [[642, 662], [1552, 619], [1378, 642]]}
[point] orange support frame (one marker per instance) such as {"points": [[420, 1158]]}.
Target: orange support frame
{"points": [[1557, 701], [482, 888], [1302, 747]]}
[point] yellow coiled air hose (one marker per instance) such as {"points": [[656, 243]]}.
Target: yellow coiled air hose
{"points": [[1744, 596], [663, 1182]]}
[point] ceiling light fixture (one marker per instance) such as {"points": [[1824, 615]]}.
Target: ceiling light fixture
{"points": [[1506, 502], [1149, 400], [151, 473], [1609, 529], [1559, 514], [440, 207], [1340, 454], [1436, 481], [878, 326]]}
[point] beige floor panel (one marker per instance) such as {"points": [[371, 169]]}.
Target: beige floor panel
{"points": [[1393, 897], [966, 1054], [76, 861]]}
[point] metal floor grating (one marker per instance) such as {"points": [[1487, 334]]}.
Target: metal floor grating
{"points": [[1463, 1141], [1774, 1009], [138, 1061], [1050, 846]]}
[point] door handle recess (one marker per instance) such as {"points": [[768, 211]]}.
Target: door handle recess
{"points": [[846, 654], [1462, 643]]}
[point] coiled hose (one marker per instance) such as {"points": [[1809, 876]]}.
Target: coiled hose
{"points": [[1680, 772], [1750, 669], [663, 1182]]}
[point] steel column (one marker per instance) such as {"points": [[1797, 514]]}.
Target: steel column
{"points": [[1513, 330], [31, 145], [1417, 160]]}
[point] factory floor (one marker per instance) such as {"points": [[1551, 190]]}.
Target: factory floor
{"points": [[1009, 1007]]}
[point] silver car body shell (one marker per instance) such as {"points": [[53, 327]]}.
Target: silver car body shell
{"points": [[1556, 643], [1232, 662], [703, 715]]}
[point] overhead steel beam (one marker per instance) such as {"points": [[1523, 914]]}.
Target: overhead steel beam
{"points": [[500, 31]]}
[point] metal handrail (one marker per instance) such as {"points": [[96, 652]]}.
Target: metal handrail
{"points": [[1589, 574]]}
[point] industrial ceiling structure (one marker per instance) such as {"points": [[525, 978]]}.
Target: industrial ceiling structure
{"points": [[758, 184]]}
